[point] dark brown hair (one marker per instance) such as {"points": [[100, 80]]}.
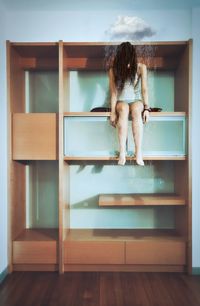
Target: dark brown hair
{"points": [[125, 54]]}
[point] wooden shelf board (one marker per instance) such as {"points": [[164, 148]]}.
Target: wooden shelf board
{"points": [[122, 234], [86, 114], [129, 159], [40, 234], [97, 49], [140, 199], [38, 50], [94, 63], [107, 114], [106, 43], [34, 63]]}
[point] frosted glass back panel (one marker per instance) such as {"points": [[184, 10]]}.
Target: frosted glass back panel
{"points": [[94, 136], [41, 91], [88, 181], [89, 136], [89, 89], [162, 136]]}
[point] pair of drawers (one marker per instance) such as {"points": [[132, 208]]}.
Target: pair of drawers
{"points": [[168, 252]]}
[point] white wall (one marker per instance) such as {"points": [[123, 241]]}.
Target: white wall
{"points": [[3, 147], [195, 138], [91, 26]]}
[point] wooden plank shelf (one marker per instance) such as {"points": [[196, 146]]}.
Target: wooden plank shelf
{"points": [[107, 114], [97, 49], [140, 200], [115, 158], [39, 234], [86, 63]]}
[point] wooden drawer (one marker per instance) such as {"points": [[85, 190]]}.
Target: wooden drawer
{"points": [[155, 252], [34, 252], [92, 252], [34, 136]]}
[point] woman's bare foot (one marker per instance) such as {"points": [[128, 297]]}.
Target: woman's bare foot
{"points": [[139, 159], [122, 158]]}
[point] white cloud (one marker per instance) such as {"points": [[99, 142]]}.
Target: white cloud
{"points": [[130, 28]]}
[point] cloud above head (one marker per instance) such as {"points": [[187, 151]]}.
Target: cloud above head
{"points": [[130, 28]]}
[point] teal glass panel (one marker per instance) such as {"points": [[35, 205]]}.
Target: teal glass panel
{"points": [[42, 194], [89, 89], [89, 136], [161, 89], [41, 91], [162, 136], [94, 136]]}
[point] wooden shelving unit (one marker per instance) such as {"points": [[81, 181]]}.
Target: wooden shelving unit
{"points": [[40, 137]]}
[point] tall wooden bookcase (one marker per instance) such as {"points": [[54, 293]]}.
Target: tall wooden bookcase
{"points": [[46, 232]]}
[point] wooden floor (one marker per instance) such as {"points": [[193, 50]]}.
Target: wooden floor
{"points": [[100, 289]]}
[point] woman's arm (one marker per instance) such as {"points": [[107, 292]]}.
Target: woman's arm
{"points": [[143, 70], [113, 96]]}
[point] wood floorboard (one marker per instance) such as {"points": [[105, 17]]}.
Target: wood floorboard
{"points": [[100, 289]]}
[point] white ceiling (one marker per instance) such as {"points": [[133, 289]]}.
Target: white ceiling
{"points": [[86, 5]]}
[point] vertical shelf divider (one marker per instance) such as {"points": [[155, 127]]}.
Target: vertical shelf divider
{"points": [[60, 141], [9, 137], [63, 167], [16, 104], [189, 249]]}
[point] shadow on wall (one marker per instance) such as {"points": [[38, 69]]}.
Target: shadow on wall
{"points": [[121, 217]]}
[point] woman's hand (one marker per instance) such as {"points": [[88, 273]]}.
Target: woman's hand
{"points": [[145, 116], [113, 119]]}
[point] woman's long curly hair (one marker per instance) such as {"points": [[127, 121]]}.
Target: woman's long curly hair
{"points": [[125, 54]]}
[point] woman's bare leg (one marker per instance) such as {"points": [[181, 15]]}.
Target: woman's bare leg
{"points": [[137, 128], [122, 125]]}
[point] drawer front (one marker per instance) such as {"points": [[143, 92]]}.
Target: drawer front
{"points": [[34, 252], [92, 252], [156, 252], [34, 136]]}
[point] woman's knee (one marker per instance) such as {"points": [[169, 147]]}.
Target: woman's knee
{"points": [[122, 109], [136, 111]]}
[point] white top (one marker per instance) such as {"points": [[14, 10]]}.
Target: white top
{"points": [[130, 93]]}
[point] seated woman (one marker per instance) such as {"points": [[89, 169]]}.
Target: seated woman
{"points": [[128, 89]]}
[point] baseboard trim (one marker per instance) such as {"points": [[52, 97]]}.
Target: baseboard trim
{"points": [[196, 271], [3, 275]]}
